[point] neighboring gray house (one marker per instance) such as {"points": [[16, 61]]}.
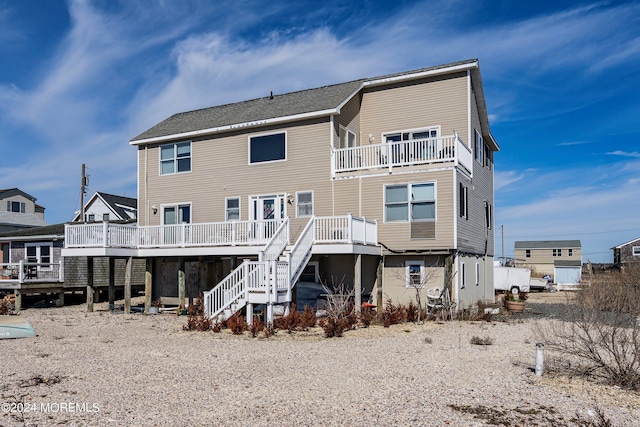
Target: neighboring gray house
{"points": [[108, 207], [627, 253], [18, 210]]}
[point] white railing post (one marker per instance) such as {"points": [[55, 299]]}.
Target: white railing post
{"points": [[183, 234], [21, 272], [350, 227], [274, 269], [105, 234], [61, 270], [364, 230], [233, 233], [245, 274]]}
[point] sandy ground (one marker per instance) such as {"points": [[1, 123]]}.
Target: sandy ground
{"points": [[111, 369]]}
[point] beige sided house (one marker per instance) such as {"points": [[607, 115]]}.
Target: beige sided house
{"points": [[562, 259], [380, 183]]}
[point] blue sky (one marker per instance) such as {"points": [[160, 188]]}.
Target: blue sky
{"points": [[80, 78]]}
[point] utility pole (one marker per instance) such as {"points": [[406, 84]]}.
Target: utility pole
{"points": [[83, 184], [502, 231]]}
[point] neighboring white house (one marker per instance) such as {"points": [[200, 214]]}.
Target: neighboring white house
{"points": [[108, 207]]}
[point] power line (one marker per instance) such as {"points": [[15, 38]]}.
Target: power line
{"points": [[576, 234]]}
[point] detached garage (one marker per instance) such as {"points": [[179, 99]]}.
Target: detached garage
{"points": [[567, 274]]}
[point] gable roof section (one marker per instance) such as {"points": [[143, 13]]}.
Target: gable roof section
{"points": [[318, 102], [321, 101], [547, 244], [8, 192]]}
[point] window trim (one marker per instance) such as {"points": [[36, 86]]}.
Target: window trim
{"points": [[408, 185], [347, 132], [477, 273], [298, 204], [478, 150], [257, 135], [175, 158], [488, 215], [105, 217], [570, 252], [635, 250], [38, 246], [557, 252], [407, 280], [463, 208], [21, 206], [226, 208], [527, 253], [177, 206], [437, 128]]}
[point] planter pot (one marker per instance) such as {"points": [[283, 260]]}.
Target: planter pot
{"points": [[516, 306]]}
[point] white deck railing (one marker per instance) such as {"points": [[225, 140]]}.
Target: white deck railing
{"points": [[346, 229], [403, 153], [31, 272], [168, 236]]}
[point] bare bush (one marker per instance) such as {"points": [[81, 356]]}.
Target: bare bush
{"points": [[476, 340], [600, 329], [196, 320], [341, 314], [236, 324], [393, 314]]}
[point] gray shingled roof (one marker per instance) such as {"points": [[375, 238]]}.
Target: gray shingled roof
{"points": [[48, 230], [567, 263], [548, 244], [114, 201], [284, 105], [305, 101]]}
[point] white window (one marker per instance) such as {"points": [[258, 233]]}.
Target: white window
{"points": [[557, 252], [635, 250], [463, 279], [175, 158], [268, 148], [410, 202], [464, 202], [232, 210], [15, 206], [414, 274], [527, 253], [176, 214], [346, 138], [479, 148], [477, 274], [39, 253], [91, 217], [105, 217], [570, 252], [304, 203]]}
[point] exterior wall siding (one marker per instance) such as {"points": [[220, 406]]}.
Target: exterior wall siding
{"points": [[541, 260], [473, 235], [395, 287], [478, 280], [436, 101], [75, 272]]}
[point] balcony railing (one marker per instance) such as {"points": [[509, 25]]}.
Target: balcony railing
{"points": [[336, 229], [403, 153], [109, 235]]}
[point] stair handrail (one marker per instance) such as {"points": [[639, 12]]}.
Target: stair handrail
{"points": [[228, 291], [276, 245], [301, 251]]}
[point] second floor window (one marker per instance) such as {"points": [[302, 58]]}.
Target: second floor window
{"points": [[267, 148], [557, 252], [15, 206], [464, 202], [410, 202], [527, 253], [175, 158]]}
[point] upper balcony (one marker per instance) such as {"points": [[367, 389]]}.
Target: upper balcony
{"points": [[414, 152], [214, 238]]}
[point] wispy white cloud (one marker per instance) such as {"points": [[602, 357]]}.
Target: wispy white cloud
{"points": [[633, 154]]}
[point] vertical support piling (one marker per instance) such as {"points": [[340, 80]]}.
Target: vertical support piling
{"points": [[147, 285], [89, 284], [127, 286]]}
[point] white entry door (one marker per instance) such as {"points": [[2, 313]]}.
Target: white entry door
{"points": [[268, 208]]}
